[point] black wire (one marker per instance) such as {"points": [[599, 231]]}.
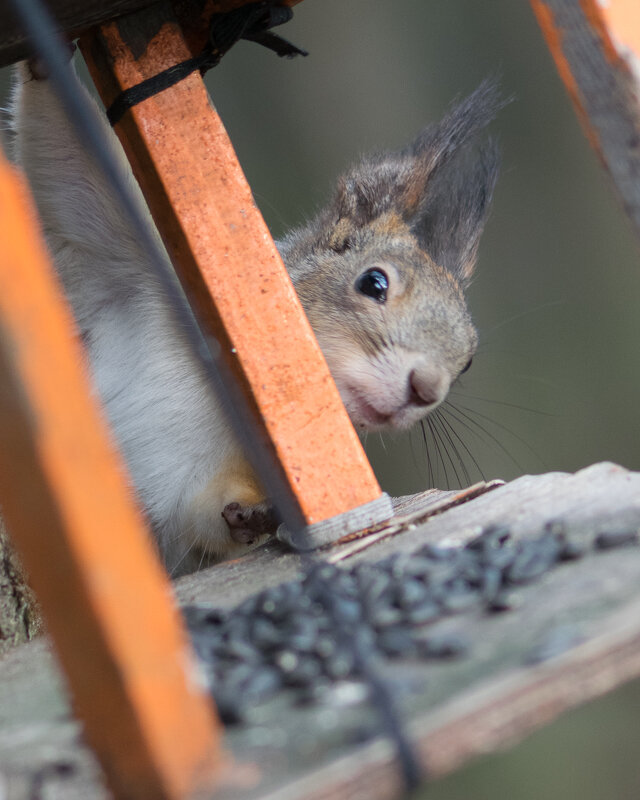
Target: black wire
{"points": [[382, 694], [40, 29]]}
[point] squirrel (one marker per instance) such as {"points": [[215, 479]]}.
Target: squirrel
{"points": [[380, 272]]}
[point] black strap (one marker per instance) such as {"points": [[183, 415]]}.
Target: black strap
{"points": [[251, 22], [157, 83]]}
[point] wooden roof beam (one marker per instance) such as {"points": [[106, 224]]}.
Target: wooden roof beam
{"points": [[77, 16]]}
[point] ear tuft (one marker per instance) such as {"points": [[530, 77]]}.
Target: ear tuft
{"points": [[455, 208], [439, 186], [456, 197], [464, 121]]}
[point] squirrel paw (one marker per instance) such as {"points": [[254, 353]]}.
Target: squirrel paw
{"points": [[247, 523]]}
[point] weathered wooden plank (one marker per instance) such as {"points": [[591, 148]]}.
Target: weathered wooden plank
{"points": [[479, 703], [76, 16], [488, 716], [596, 47], [72, 16], [232, 271], [89, 557], [454, 710]]}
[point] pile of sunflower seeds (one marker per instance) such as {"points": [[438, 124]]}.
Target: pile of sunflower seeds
{"points": [[306, 634]]}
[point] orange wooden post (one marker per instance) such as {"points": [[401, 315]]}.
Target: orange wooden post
{"points": [[596, 48], [231, 269], [106, 600]]}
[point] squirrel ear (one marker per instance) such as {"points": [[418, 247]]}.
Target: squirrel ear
{"points": [[451, 217], [430, 185], [452, 206]]}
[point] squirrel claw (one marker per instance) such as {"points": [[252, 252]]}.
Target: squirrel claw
{"points": [[247, 523]]}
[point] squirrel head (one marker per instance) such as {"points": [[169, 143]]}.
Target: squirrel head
{"points": [[381, 271]]}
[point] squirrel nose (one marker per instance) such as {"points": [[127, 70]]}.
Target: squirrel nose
{"points": [[428, 385]]}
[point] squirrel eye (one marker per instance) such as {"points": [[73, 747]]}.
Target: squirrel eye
{"points": [[374, 283], [466, 366]]}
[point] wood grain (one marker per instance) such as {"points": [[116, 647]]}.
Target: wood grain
{"points": [[455, 711]]}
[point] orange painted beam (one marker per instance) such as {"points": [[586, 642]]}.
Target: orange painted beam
{"points": [[229, 265], [596, 48], [64, 495]]}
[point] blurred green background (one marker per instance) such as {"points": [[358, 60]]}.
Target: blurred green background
{"points": [[556, 381]]}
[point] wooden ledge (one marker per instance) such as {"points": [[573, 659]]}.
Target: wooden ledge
{"points": [[474, 705]]}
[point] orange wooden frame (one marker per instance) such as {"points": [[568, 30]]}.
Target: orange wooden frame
{"points": [[229, 265], [63, 489], [106, 601]]}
